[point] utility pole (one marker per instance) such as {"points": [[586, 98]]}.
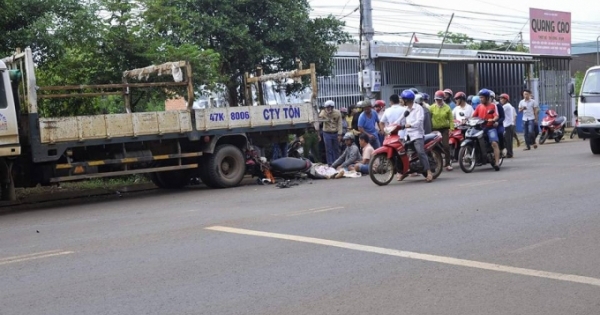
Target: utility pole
{"points": [[368, 63]]}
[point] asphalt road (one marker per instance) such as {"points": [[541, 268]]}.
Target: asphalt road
{"points": [[524, 240]]}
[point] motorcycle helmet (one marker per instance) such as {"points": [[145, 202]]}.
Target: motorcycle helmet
{"points": [[425, 97], [344, 110], [329, 103], [348, 136], [505, 96], [379, 103], [460, 95], [439, 95], [484, 93], [470, 99], [414, 90], [419, 99], [407, 95], [448, 91]]}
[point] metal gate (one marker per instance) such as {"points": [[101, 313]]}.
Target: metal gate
{"points": [[554, 76], [342, 86]]}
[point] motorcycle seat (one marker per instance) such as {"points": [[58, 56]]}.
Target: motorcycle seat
{"points": [[559, 120], [288, 165], [429, 137]]}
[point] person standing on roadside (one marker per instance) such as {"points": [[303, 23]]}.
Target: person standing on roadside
{"points": [[354, 122], [530, 110], [367, 122], [509, 124], [443, 122], [332, 131], [380, 110]]}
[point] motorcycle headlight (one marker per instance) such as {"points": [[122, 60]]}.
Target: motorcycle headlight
{"points": [[587, 120]]}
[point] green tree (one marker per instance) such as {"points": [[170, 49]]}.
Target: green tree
{"points": [[456, 38], [247, 34], [42, 25]]}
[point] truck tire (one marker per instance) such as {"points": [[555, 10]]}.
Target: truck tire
{"points": [[171, 179], [595, 145], [226, 166], [203, 172]]}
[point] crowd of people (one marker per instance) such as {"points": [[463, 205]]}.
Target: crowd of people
{"points": [[348, 137]]}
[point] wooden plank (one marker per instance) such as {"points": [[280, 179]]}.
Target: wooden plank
{"points": [[40, 96], [121, 173], [111, 86]]}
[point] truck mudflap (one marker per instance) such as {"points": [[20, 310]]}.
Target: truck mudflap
{"points": [[591, 131]]}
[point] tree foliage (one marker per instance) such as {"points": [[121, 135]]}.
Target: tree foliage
{"points": [[94, 41], [247, 34]]}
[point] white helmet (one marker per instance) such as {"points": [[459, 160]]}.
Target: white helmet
{"points": [[349, 136], [419, 98], [329, 103], [492, 94]]}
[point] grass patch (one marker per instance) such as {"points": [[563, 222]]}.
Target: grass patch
{"points": [[90, 184]]}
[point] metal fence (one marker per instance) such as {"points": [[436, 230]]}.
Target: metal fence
{"points": [[342, 87], [554, 76]]}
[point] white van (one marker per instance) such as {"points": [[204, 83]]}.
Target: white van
{"points": [[588, 110]]}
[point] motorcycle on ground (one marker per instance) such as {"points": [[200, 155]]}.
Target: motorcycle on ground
{"points": [[284, 168], [398, 156], [553, 127], [476, 149]]}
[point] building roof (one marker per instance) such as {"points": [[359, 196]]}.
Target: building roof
{"points": [[584, 48], [429, 53]]}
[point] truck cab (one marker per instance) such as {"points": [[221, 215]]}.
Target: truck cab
{"points": [[9, 130]]}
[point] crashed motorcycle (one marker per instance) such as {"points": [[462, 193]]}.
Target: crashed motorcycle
{"points": [[284, 168], [398, 156], [476, 149], [553, 127]]}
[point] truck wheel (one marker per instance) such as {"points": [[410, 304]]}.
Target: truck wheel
{"points": [[226, 166], [172, 179], [595, 145], [203, 172]]}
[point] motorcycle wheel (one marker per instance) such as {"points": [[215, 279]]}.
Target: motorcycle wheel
{"points": [[543, 137], [573, 133], [467, 158], [562, 134], [380, 165], [439, 166]]}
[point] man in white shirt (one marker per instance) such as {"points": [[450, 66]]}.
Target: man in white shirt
{"points": [[413, 123], [462, 107], [392, 114], [530, 110], [509, 124]]}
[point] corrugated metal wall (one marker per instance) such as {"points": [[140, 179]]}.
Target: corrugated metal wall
{"points": [[503, 77], [555, 75], [342, 87], [423, 76]]}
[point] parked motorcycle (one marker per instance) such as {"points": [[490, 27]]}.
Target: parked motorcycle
{"points": [[397, 156], [553, 127], [476, 149]]}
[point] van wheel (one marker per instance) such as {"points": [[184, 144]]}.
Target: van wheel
{"points": [[595, 145], [225, 167]]}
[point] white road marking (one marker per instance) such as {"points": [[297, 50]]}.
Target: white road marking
{"points": [[315, 211], [536, 245], [16, 259], [309, 211], [416, 256], [487, 182]]}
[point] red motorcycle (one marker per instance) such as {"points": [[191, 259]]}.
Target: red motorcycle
{"points": [[397, 156], [456, 137], [553, 127]]}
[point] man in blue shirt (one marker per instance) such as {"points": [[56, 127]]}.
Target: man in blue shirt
{"points": [[366, 124]]}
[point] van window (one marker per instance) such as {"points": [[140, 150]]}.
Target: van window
{"points": [[3, 99], [591, 85]]}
